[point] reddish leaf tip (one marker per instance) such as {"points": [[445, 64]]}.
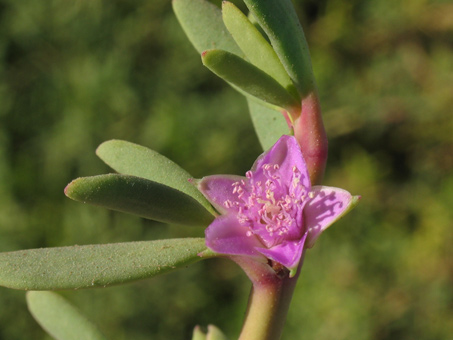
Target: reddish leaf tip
{"points": [[69, 188]]}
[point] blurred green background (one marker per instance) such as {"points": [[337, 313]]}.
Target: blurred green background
{"points": [[76, 73]]}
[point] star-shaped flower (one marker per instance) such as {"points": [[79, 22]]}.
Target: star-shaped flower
{"points": [[274, 212]]}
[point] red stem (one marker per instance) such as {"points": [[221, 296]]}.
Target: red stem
{"points": [[311, 135]]}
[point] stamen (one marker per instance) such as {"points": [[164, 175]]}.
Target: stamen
{"points": [[267, 204]]}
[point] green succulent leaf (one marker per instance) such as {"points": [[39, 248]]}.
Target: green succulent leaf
{"points": [[255, 23], [248, 78], [255, 47], [269, 124], [93, 266], [202, 22], [136, 160], [198, 334], [215, 333], [203, 25], [61, 319], [139, 196], [279, 20]]}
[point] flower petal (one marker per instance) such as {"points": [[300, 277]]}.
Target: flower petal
{"points": [[287, 253], [226, 236], [218, 189], [327, 206], [287, 154]]}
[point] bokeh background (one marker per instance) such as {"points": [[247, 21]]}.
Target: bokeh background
{"points": [[76, 73]]}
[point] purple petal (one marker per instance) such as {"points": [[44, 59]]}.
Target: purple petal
{"points": [[218, 189], [226, 236], [327, 206], [288, 253], [287, 154]]}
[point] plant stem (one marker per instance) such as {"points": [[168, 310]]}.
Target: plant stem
{"points": [[311, 136], [268, 302]]}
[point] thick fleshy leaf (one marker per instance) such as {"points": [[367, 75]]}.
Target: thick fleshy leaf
{"points": [[279, 20], [202, 22], [139, 196], [93, 266], [248, 78], [269, 124], [215, 333], [326, 207], [198, 334], [61, 319], [255, 47], [136, 160], [255, 23]]}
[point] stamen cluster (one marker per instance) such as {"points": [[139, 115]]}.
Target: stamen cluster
{"points": [[267, 206]]}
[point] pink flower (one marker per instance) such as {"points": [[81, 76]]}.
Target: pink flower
{"points": [[274, 212]]}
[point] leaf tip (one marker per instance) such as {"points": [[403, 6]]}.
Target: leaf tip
{"points": [[71, 189], [102, 146], [67, 189], [98, 150], [226, 3], [204, 53]]}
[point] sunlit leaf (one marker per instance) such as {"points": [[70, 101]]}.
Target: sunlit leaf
{"points": [[255, 23], [136, 160], [199, 19], [279, 20], [198, 334], [255, 47], [248, 78], [59, 318], [269, 124], [96, 265], [215, 333], [203, 25], [139, 196]]}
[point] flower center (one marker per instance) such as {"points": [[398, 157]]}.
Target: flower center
{"points": [[270, 203]]}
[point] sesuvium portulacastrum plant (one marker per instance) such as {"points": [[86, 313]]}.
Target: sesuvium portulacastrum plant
{"points": [[264, 221]]}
